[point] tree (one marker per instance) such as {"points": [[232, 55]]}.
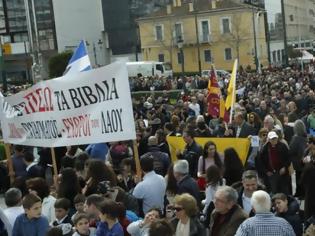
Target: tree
{"points": [[58, 63], [294, 53]]}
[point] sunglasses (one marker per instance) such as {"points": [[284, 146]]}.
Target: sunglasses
{"points": [[178, 208]]}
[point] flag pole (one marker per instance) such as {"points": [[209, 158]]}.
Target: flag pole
{"points": [[54, 163], [9, 162], [233, 91], [137, 160]]}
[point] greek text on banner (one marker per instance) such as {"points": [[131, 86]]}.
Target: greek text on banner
{"points": [[88, 107]]}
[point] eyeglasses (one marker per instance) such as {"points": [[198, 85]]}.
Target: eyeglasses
{"points": [[178, 208]]}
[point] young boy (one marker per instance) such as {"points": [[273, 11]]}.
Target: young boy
{"points": [[63, 220], [78, 201], [81, 224], [31, 222]]}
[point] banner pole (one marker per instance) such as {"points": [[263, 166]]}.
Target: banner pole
{"points": [[9, 162], [54, 163], [137, 159]]}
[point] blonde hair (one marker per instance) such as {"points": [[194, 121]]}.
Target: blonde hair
{"points": [[188, 203]]}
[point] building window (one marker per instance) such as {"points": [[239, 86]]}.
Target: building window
{"points": [[205, 31], [179, 58], [161, 57], [208, 57], [225, 26], [179, 31], [159, 32], [228, 54]]}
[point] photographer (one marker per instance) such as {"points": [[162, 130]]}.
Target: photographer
{"points": [[191, 153]]}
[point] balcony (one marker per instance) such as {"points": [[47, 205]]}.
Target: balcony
{"points": [[205, 38]]}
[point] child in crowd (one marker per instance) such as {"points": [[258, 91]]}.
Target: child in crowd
{"points": [[78, 201], [81, 224], [63, 220], [31, 222], [109, 224]]}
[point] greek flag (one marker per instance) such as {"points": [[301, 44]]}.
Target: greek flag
{"points": [[79, 61]]}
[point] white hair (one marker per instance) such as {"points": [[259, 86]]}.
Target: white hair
{"points": [[261, 201], [181, 166]]}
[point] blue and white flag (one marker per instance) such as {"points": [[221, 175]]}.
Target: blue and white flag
{"points": [[79, 61]]}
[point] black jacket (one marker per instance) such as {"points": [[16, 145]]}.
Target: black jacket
{"points": [[195, 229], [189, 185], [191, 154], [283, 154], [298, 145], [292, 216]]}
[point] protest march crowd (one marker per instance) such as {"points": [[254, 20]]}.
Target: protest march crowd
{"points": [[200, 190]]}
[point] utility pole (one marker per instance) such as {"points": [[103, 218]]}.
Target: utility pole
{"points": [[198, 42], [255, 41], [2, 71], [285, 42]]}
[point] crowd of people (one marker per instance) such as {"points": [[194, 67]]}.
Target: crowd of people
{"points": [[202, 192]]}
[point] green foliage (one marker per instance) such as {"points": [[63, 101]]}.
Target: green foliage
{"points": [[58, 63], [293, 53], [188, 73]]}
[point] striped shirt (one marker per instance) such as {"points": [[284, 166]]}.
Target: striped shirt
{"points": [[265, 224]]}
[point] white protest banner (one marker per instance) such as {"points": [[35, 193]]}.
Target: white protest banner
{"points": [[87, 107]]}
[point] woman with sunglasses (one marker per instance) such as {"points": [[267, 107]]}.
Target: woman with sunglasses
{"points": [[187, 222]]}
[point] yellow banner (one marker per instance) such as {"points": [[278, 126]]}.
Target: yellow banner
{"points": [[241, 145]]}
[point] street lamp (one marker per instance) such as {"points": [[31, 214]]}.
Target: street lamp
{"points": [[180, 44]]}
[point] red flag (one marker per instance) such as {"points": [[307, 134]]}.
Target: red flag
{"points": [[216, 104], [214, 95]]}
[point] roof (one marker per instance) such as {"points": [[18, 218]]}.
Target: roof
{"points": [[200, 6]]}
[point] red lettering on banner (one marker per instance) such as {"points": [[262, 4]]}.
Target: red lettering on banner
{"points": [[39, 100], [78, 126]]}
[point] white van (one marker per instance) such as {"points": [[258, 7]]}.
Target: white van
{"points": [[147, 68]]}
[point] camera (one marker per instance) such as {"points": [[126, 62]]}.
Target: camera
{"points": [[104, 187]]}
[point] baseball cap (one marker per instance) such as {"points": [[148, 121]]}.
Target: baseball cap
{"points": [[272, 134]]}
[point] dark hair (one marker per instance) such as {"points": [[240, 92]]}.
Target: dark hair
{"points": [[161, 227], [216, 157], [54, 231], [146, 163], [79, 217], [28, 157], [79, 198], [121, 209], [233, 164], [19, 148], [12, 197], [39, 185], [169, 126], [99, 171], [73, 150], [171, 185], [62, 203], [158, 210], [29, 200], [189, 132], [110, 208], [94, 199], [129, 162], [69, 185], [213, 175], [279, 196], [160, 136], [80, 160]]}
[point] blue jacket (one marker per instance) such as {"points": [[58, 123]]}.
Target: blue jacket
{"points": [[26, 227], [103, 230], [97, 151]]}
